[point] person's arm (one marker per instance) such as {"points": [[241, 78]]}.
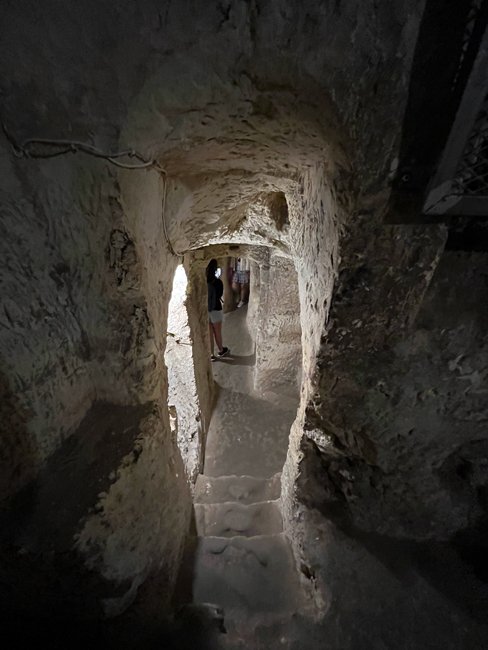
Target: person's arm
{"points": [[219, 290]]}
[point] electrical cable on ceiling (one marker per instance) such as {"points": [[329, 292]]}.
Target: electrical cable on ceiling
{"points": [[27, 149]]}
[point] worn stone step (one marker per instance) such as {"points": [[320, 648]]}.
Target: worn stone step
{"points": [[247, 436], [288, 631], [246, 575], [232, 519], [244, 489]]}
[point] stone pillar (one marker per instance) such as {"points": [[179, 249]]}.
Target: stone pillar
{"points": [[254, 299], [196, 304], [228, 295], [182, 389], [278, 336]]}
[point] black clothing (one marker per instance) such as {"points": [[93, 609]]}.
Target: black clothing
{"points": [[215, 292]]}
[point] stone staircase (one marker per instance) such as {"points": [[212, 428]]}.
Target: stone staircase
{"points": [[242, 560], [238, 489], [238, 557]]}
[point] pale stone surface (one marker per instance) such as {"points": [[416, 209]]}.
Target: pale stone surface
{"points": [[277, 331], [240, 414], [235, 519], [241, 489], [182, 389]]}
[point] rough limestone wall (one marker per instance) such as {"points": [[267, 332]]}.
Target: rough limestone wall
{"points": [[182, 390], [391, 462], [196, 303], [254, 298], [284, 99], [54, 217], [135, 531], [137, 528], [83, 313], [418, 367], [148, 508], [448, 354], [315, 216], [278, 333], [369, 312], [73, 304]]}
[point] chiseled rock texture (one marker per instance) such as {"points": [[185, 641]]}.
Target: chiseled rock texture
{"points": [[249, 107], [277, 328], [391, 475], [183, 397]]}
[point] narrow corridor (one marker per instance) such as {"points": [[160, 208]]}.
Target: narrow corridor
{"points": [[340, 151], [243, 561]]}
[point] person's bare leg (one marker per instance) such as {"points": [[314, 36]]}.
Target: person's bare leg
{"points": [[235, 293], [217, 328], [211, 334]]}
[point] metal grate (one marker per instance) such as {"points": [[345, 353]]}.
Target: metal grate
{"points": [[460, 183], [471, 19], [471, 176]]}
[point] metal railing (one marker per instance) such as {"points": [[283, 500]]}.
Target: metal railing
{"points": [[472, 173]]}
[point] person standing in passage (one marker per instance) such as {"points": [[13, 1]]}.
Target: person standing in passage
{"points": [[215, 290], [240, 281]]}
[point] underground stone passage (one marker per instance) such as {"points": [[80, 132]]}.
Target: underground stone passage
{"points": [[339, 151], [240, 559]]}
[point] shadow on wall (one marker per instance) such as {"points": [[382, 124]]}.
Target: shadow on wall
{"points": [[464, 584], [195, 626], [37, 528], [47, 595], [19, 458]]}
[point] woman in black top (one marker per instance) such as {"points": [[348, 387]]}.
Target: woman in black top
{"points": [[215, 290]]}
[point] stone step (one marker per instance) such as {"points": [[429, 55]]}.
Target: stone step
{"points": [[290, 631], [244, 489], [233, 519], [246, 576], [247, 436]]}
